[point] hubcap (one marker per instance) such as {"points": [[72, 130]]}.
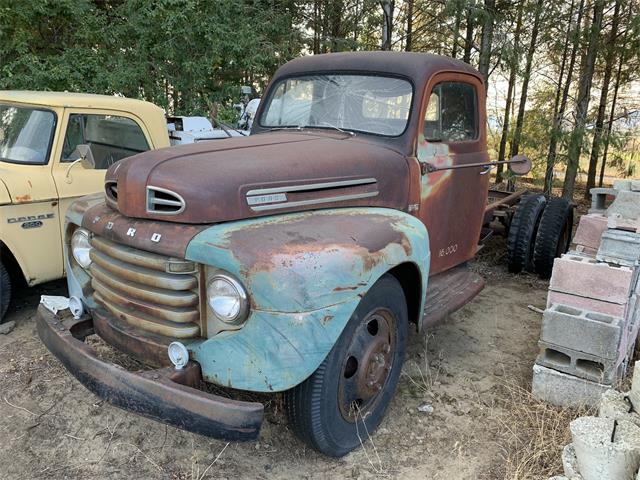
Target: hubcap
{"points": [[367, 365]]}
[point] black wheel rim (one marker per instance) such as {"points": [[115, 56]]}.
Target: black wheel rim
{"points": [[367, 364]]}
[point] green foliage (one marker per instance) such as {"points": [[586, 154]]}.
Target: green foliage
{"points": [[185, 55]]}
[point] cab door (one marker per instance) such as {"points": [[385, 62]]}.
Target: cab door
{"points": [[29, 224], [111, 136], [452, 202]]}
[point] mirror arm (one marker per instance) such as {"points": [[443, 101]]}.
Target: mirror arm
{"points": [[71, 165], [427, 167]]}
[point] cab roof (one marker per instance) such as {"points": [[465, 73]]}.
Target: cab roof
{"points": [[419, 67], [77, 100]]}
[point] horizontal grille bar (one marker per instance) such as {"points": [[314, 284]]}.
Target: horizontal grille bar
{"points": [[151, 292], [150, 324], [142, 275], [142, 258], [162, 296]]}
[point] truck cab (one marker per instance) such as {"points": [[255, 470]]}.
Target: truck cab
{"points": [[297, 260], [41, 174]]}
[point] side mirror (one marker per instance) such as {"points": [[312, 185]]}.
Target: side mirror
{"points": [[520, 165], [86, 156]]}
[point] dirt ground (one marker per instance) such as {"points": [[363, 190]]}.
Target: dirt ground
{"points": [[52, 427]]}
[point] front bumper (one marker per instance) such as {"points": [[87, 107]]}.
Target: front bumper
{"points": [[165, 394]]}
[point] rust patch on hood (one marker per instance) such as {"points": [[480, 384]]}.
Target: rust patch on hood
{"points": [[215, 178], [312, 234]]}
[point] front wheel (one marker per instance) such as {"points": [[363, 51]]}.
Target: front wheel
{"points": [[345, 399], [5, 291]]}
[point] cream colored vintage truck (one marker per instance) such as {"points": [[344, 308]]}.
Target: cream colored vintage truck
{"points": [[54, 148]]}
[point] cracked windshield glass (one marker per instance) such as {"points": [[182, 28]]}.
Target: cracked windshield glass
{"points": [[357, 103]]}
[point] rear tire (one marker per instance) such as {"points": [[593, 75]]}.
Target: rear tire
{"points": [[5, 291], [522, 233], [554, 235], [344, 400]]}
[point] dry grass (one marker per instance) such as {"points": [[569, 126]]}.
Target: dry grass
{"points": [[531, 434]]}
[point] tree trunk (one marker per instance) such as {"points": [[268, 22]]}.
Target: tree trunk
{"points": [[510, 90], [602, 106], [612, 114], [515, 144], [387, 26], [559, 112], [468, 39], [456, 31], [582, 105], [553, 144], [409, 39], [487, 38]]}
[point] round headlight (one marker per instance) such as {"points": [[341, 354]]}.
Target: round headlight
{"points": [[80, 247], [227, 299]]}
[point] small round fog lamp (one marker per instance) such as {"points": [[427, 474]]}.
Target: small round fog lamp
{"points": [[178, 354]]}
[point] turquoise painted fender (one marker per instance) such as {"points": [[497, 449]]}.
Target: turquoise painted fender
{"points": [[305, 274]]}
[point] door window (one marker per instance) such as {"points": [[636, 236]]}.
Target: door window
{"points": [[110, 137], [451, 114]]}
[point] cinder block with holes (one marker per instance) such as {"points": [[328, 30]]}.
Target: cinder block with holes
{"points": [[586, 277], [579, 364], [583, 303], [619, 247], [589, 231], [600, 199], [565, 390], [588, 332]]}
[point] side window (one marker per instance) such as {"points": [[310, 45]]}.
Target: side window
{"points": [[452, 114], [110, 137]]}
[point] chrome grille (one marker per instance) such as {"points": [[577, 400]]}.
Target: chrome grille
{"points": [[151, 292], [164, 202]]}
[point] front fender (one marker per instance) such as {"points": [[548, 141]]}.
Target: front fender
{"points": [[305, 274]]}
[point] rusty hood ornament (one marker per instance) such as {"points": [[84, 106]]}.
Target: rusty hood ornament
{"points": [[263, 174]]}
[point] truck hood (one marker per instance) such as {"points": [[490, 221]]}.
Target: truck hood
{"points": [[264, 174]]}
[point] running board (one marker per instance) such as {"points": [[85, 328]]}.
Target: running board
{"points": [[448, 291]]}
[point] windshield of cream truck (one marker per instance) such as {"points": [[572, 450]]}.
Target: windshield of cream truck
{"points": [[356, 103], [25, 134]]}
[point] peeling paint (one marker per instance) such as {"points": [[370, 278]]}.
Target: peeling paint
{"points": [[291, 265]]}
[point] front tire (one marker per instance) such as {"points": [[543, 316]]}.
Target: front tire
{"points": [[345, 399], [5, 291]]}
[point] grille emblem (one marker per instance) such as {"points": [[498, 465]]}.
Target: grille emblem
{"points": [[161, 201]]}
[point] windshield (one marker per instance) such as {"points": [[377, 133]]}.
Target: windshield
{"points": [[25, 134], [363, 103]]}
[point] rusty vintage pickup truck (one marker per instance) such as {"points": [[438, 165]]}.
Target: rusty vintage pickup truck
{"points": [[295, 260]]}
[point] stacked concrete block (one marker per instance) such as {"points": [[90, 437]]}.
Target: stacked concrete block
{"points": [[587, 284], [619, 247], [589, 232], [601, 198], [592, 320], [582, 343]]}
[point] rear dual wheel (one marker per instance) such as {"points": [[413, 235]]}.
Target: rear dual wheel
{"points": [[540, 231], [341, 404], [554, 235]]}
